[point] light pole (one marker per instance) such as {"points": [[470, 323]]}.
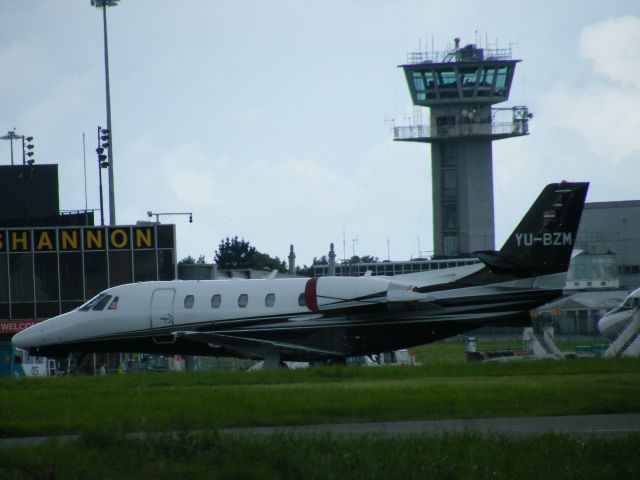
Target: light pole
{"points": [[103, 143], [27, 151], [11, 135], [27, 172], [112, 202]]}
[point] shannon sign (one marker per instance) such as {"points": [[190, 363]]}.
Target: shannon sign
{"points": [[76, 238]]}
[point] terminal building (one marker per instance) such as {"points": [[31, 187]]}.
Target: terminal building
{"points": [[52, 262], [612, 229]]}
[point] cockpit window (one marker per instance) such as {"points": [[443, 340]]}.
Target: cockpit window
{"points": [[631, 302], [100, 304], [87, 306], [114, 305]]}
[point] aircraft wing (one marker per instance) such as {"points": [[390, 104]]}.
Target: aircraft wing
{"points": [[252, 346]]}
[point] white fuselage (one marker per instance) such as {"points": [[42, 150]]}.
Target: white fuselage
{"points": [[298, 318], [147, 306]]}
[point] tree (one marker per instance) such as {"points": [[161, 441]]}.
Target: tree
{"points": [[306, 271], [235, 253], [323, 260], [189, 260], [363, 259]]}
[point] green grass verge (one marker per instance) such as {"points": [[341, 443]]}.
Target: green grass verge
{"points": [[211, 400], [213, 456]]}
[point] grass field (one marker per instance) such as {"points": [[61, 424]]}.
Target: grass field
{"points": [[215, 456], [103, 409], [211, 400]]}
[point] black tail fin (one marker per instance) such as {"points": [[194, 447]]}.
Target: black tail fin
{"points": [[542, 242]]}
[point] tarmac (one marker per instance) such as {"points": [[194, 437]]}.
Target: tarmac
{"points": [[574, 425]]}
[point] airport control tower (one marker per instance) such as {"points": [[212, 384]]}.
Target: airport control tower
{"points": [[460, 86]]}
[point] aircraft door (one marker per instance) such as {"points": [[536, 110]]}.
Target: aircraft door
{"points": [[162, 308]]}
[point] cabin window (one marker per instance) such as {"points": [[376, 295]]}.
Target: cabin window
{"points": [[270, 300], [189, 300], [216, 301], [301, 301], [243, 300], [102, 303]]}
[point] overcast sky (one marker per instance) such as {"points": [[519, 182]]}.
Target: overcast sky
{"points": [[270, 119]]}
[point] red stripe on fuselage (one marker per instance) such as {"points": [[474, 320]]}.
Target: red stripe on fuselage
{"points": [[310, 297]]}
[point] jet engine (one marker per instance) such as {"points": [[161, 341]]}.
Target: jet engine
{"points": [[326, 294]]}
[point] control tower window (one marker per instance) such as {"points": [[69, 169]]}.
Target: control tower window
{"points": [[468, 77], [430, 80], [418, 81], [449, 183], [424, 85], [450, 219], [447, 78], [501, 82], [486, 78], [451, 246]]}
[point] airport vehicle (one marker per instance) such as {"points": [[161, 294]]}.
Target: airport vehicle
{"points": [[301, 319]]}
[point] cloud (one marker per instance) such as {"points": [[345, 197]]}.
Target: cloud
{"points": [[62, 102], [613, 46], [255, 198], [603, 111]]}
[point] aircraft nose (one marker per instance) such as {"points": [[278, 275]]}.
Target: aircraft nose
{"points": [[613, 322], [26, 338]]}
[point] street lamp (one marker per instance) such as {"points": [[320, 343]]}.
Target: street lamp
{"points": [[150, 214], [112, 202], [11, 135]]}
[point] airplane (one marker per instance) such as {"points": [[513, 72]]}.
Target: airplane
{"points": [[328, 318], [614, 321]]}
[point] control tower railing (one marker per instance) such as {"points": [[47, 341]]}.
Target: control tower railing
{"points": [[427, 132], [494, 130], [470, 52]]}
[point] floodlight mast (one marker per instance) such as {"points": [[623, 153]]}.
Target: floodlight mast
{"points": [[11, 135], [112, 202]]}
